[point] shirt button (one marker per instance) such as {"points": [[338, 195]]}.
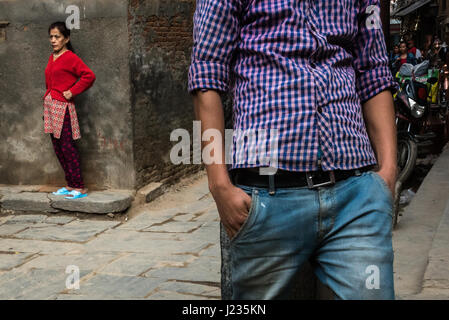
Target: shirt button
{"points": [[319, 109], [313, 65]]}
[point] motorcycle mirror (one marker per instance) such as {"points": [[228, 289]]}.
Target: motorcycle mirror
{"points": [[432, 80]]}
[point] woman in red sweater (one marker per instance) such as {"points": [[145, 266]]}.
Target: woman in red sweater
{"points": [[66, 76]]}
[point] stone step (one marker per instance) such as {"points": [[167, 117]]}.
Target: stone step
{"points": [[98, 202], [150, 192]]}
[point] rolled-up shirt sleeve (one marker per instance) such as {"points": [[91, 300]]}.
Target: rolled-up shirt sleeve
{"points": [[370, 54], [216, 28]]}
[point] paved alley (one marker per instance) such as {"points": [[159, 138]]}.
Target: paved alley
{"points": [[169, 249]]}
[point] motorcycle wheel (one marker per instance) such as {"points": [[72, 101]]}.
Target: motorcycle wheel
{"points": [[397, 195], [407, 154]]}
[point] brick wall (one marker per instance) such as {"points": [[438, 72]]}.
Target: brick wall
{"points": [[160, 39]]}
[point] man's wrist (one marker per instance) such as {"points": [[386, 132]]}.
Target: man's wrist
{"points": [[219, 183], [217, 188], [389, 164], [389, 169]]}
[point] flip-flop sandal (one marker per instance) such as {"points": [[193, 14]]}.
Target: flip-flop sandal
{"points": [[76, 195], [61, 192]]}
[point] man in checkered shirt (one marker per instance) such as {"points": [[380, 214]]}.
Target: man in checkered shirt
{"points": [[313, 162]]}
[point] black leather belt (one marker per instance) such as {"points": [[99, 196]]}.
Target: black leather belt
{"points": [[291, 179]]}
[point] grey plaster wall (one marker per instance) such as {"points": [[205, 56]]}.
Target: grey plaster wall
{"points": [[104, 111]]}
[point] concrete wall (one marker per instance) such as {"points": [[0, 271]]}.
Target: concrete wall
{"points": [[104, 111], [160, 33]]}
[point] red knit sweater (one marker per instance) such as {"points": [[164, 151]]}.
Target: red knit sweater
{"points": [[62, 75]]}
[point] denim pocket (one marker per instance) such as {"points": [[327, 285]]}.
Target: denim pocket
{"points": [[254, 193], [383, 185]]}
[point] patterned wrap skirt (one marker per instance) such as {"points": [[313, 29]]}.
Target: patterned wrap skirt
{"points": [[54, 111]]}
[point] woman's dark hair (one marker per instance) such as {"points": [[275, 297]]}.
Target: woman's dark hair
{"points": [[64, 31]]}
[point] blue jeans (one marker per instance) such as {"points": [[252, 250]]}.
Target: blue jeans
{"points": [[344, 230]]}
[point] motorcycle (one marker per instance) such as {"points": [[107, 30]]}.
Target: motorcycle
{"points": [[412, 108]]}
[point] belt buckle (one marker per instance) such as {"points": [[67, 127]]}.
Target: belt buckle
{"points": [[311, 185]]}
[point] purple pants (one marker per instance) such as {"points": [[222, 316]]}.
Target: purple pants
{"points": [[68, 154]]}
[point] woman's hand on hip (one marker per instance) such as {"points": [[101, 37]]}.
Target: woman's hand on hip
{"points": [[67, 94]]}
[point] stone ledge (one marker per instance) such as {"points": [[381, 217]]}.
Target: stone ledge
{"points": [[151, 191], [99, 202]]}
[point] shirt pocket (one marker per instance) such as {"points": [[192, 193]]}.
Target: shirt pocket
{"points": [[340, 23]]}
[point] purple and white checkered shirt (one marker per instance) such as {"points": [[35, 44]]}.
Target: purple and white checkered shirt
{"points": [[301, 67]]}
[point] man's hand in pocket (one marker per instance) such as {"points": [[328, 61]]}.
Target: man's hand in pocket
{"points": [[233, 205]]}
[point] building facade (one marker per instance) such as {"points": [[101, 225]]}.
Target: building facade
{"points": [[418, 19], [140, 53]]}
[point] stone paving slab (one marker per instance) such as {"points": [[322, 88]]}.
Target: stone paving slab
{"points": [[26, 218], [9, 260], [198, 206], [189, 288], [414, 235], [200, 190], [207, 234], [45, 247], [59, 219], [76, 231], [86, 262], [147, 218], [214, 224], [175, 227], [209, 215], [185, 217], [214, 251], [42, 225], [430, 294], [437, 272], [3, 219], [100, 202], [137, 264], [11, 229], [200, 270], [70, 296], [170, 295], [146, 236], [27, 201], [144, 242], [33, 284], [110, 286]]}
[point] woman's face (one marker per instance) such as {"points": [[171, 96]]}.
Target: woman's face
{"points": [[57, 40], [396, 49], [403, 48], [436, 45]]}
